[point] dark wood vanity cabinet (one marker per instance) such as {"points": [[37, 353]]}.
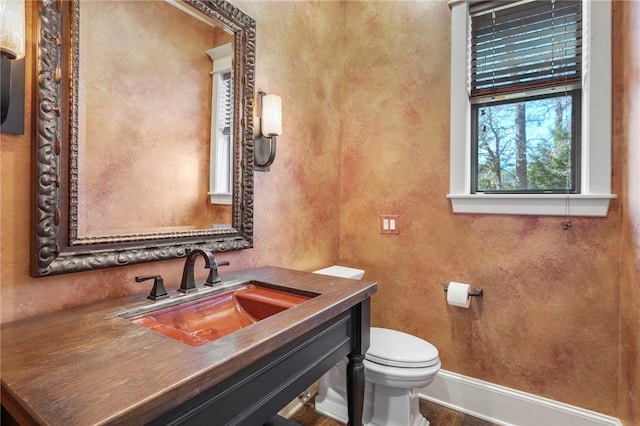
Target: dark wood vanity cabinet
{"points": [[254, 395], [89, 365]]}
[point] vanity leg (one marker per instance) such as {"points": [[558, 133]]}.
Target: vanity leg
{"points": [[355, 389], [360, 329]]}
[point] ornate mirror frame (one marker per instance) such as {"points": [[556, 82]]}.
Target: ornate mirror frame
{"points": [[56, 247]]}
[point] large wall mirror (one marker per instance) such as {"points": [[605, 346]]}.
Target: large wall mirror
{"points": [[143, 142]]}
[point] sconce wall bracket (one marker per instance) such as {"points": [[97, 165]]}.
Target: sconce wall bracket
{"points": [[12, 94], [264, 152]]}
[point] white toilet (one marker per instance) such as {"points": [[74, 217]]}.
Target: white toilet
{"points": [[397, 364]]}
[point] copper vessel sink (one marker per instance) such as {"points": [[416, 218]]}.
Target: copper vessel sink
{"points": [[204, 320]]}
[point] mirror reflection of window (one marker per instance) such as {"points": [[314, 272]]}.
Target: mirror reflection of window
{"points": [[222, 167], [221, 176]]}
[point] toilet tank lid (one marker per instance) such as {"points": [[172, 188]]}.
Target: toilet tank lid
{"points": [[342, 272], [398, 349]]}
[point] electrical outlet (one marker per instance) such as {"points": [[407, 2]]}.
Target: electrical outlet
{"points": [[389, 224]]}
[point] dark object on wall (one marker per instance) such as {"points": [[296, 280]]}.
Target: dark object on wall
{"points": [[56, 246], [12, 94]]}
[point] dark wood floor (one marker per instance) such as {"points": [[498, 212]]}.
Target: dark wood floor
{"points": [[436, 414]]}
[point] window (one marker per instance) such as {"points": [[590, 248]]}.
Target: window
{"points": [[221, 174], [523, 82], [525, 91]]}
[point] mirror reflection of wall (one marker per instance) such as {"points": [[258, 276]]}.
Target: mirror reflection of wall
{"points": [[145, 114]]}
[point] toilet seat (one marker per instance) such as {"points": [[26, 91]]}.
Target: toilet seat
{"points": [[397, 349], [399, 377]]}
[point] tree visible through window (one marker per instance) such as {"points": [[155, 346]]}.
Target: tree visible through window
{"points": [[527, 145]]}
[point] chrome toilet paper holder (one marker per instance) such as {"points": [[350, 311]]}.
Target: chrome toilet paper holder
{"points": [[477, 292]]}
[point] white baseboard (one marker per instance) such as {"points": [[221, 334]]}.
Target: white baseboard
{"points": [[505, 406]]}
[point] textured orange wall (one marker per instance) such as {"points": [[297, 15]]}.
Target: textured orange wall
{"points": [[627, 138], [548, 323], [296, 204]]}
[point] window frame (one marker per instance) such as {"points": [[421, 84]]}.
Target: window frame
{"points": [[595, 150]]}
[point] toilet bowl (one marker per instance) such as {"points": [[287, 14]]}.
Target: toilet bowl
{"points": [[397, 364]]}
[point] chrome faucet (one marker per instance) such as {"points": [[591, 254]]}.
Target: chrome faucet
{"points": [[188, 283]]}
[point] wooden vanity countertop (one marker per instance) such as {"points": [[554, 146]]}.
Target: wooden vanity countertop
{"points": [[88, 366]]}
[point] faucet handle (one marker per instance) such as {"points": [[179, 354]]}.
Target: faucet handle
{"points": [[213, 277], [158, 292]]}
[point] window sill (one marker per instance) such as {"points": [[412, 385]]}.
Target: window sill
{"points": [[220, 198], [532, 204]]}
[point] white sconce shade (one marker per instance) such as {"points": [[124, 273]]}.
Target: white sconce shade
{"points": [[12, 28], [271, 115]]}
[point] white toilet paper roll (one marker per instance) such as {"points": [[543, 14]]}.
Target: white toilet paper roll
{"points": [[458, 294]]}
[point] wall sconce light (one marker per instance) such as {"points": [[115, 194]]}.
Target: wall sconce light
{"points": [[270, 122], [12, 49]]}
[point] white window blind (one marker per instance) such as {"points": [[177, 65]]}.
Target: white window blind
{"points": [[520, 46], [225, 116], [225, 110]]}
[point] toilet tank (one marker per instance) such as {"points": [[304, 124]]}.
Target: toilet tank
{"points": [[342, 272]]}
